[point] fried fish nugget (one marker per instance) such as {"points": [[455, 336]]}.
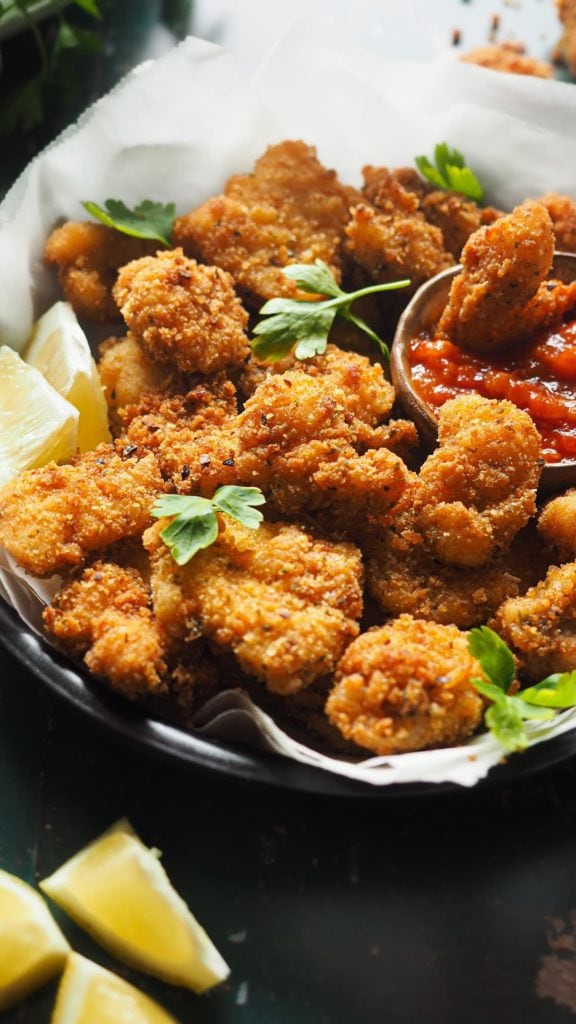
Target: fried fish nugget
{"points": [[183, 312], [481, 481], [88, 257], [52, 518], [406, 686], [290, 209], [510, 58], [128, 374], [284, 603], [540, 627], [562, 210], [105, 617], [193, 435], [501, 297], [557, 525], [391, 239], [300, 442], [403, 576]]}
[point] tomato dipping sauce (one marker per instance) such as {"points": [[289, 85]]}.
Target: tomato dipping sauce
{"points": [[539, 376]]}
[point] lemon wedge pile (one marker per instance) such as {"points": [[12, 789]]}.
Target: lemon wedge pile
{"points": [[118, 891], [32, 946], [88, 994], [37, 425], [59, 349], [51, 401]]}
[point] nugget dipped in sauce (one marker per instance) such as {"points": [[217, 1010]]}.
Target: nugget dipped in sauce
{"points": [[406, 686], [502, 296]]}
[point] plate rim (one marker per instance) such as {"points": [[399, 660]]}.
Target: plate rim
{"points": [[239, 764]]}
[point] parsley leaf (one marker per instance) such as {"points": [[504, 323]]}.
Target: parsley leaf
{"points": [[239, 503], [306, 325], [450, 173], [505, 723], [557, 691], [147, 220], [506, 714], [195, 524], [494, 655]]}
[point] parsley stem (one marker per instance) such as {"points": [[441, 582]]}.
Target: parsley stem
{"points": [[371, 290]]}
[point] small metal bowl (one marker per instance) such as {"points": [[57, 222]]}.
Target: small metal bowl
{"points": [[422, 314]]}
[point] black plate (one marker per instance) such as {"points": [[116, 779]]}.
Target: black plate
{"points": [[243, 764]]}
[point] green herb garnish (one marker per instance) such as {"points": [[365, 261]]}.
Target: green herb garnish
{"points": [[195, 525], [25, 107], [506, 715], [450, 172], [306, 325], [147, 220]]}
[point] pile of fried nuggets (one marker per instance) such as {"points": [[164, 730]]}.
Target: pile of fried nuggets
{"points": [[347, 610]]}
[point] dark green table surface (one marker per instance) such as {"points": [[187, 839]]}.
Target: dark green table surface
{"points": [[438, 910]]}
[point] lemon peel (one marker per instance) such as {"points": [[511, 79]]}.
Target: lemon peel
{"points": [[117, 890], [89, 993], [59, 349], [37, 425], [32, 947]]}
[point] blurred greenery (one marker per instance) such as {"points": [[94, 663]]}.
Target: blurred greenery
{"points": [[54, 67]]}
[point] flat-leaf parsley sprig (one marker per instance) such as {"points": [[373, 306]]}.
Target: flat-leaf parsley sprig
{"points": [[147, 220], [507, 713], [195, 525], [450, 173], [306, 325]]}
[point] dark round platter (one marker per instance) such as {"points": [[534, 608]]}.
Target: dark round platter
{"points": [[243, 764]]}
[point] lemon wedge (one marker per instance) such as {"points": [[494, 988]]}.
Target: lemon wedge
{"points": [[32, 947], [89, 994], [118, 891], [37, 425], [58, 348]]}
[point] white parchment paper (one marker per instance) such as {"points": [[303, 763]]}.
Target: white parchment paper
{"points": [[175, 130]]}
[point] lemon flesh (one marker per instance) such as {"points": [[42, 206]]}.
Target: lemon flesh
{"points": [[58, 348], [88, 994], [118, 891], [32, 947], [37, 425]]}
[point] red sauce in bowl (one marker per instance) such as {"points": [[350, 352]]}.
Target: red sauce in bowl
{"points": [[539, 376]]}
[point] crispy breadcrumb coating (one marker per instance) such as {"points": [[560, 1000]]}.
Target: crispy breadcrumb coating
{"points": [[183, 312], [290, 209], [128, 374], [193, 435], [105, 617], [88, 257], [562, 210], [404, 576], [557, 525], [540, 627], [406, 686], [501, 296], [284, 603], [51, 518], [508, 57], [300, 439], [480, 483], [390, 238]]}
